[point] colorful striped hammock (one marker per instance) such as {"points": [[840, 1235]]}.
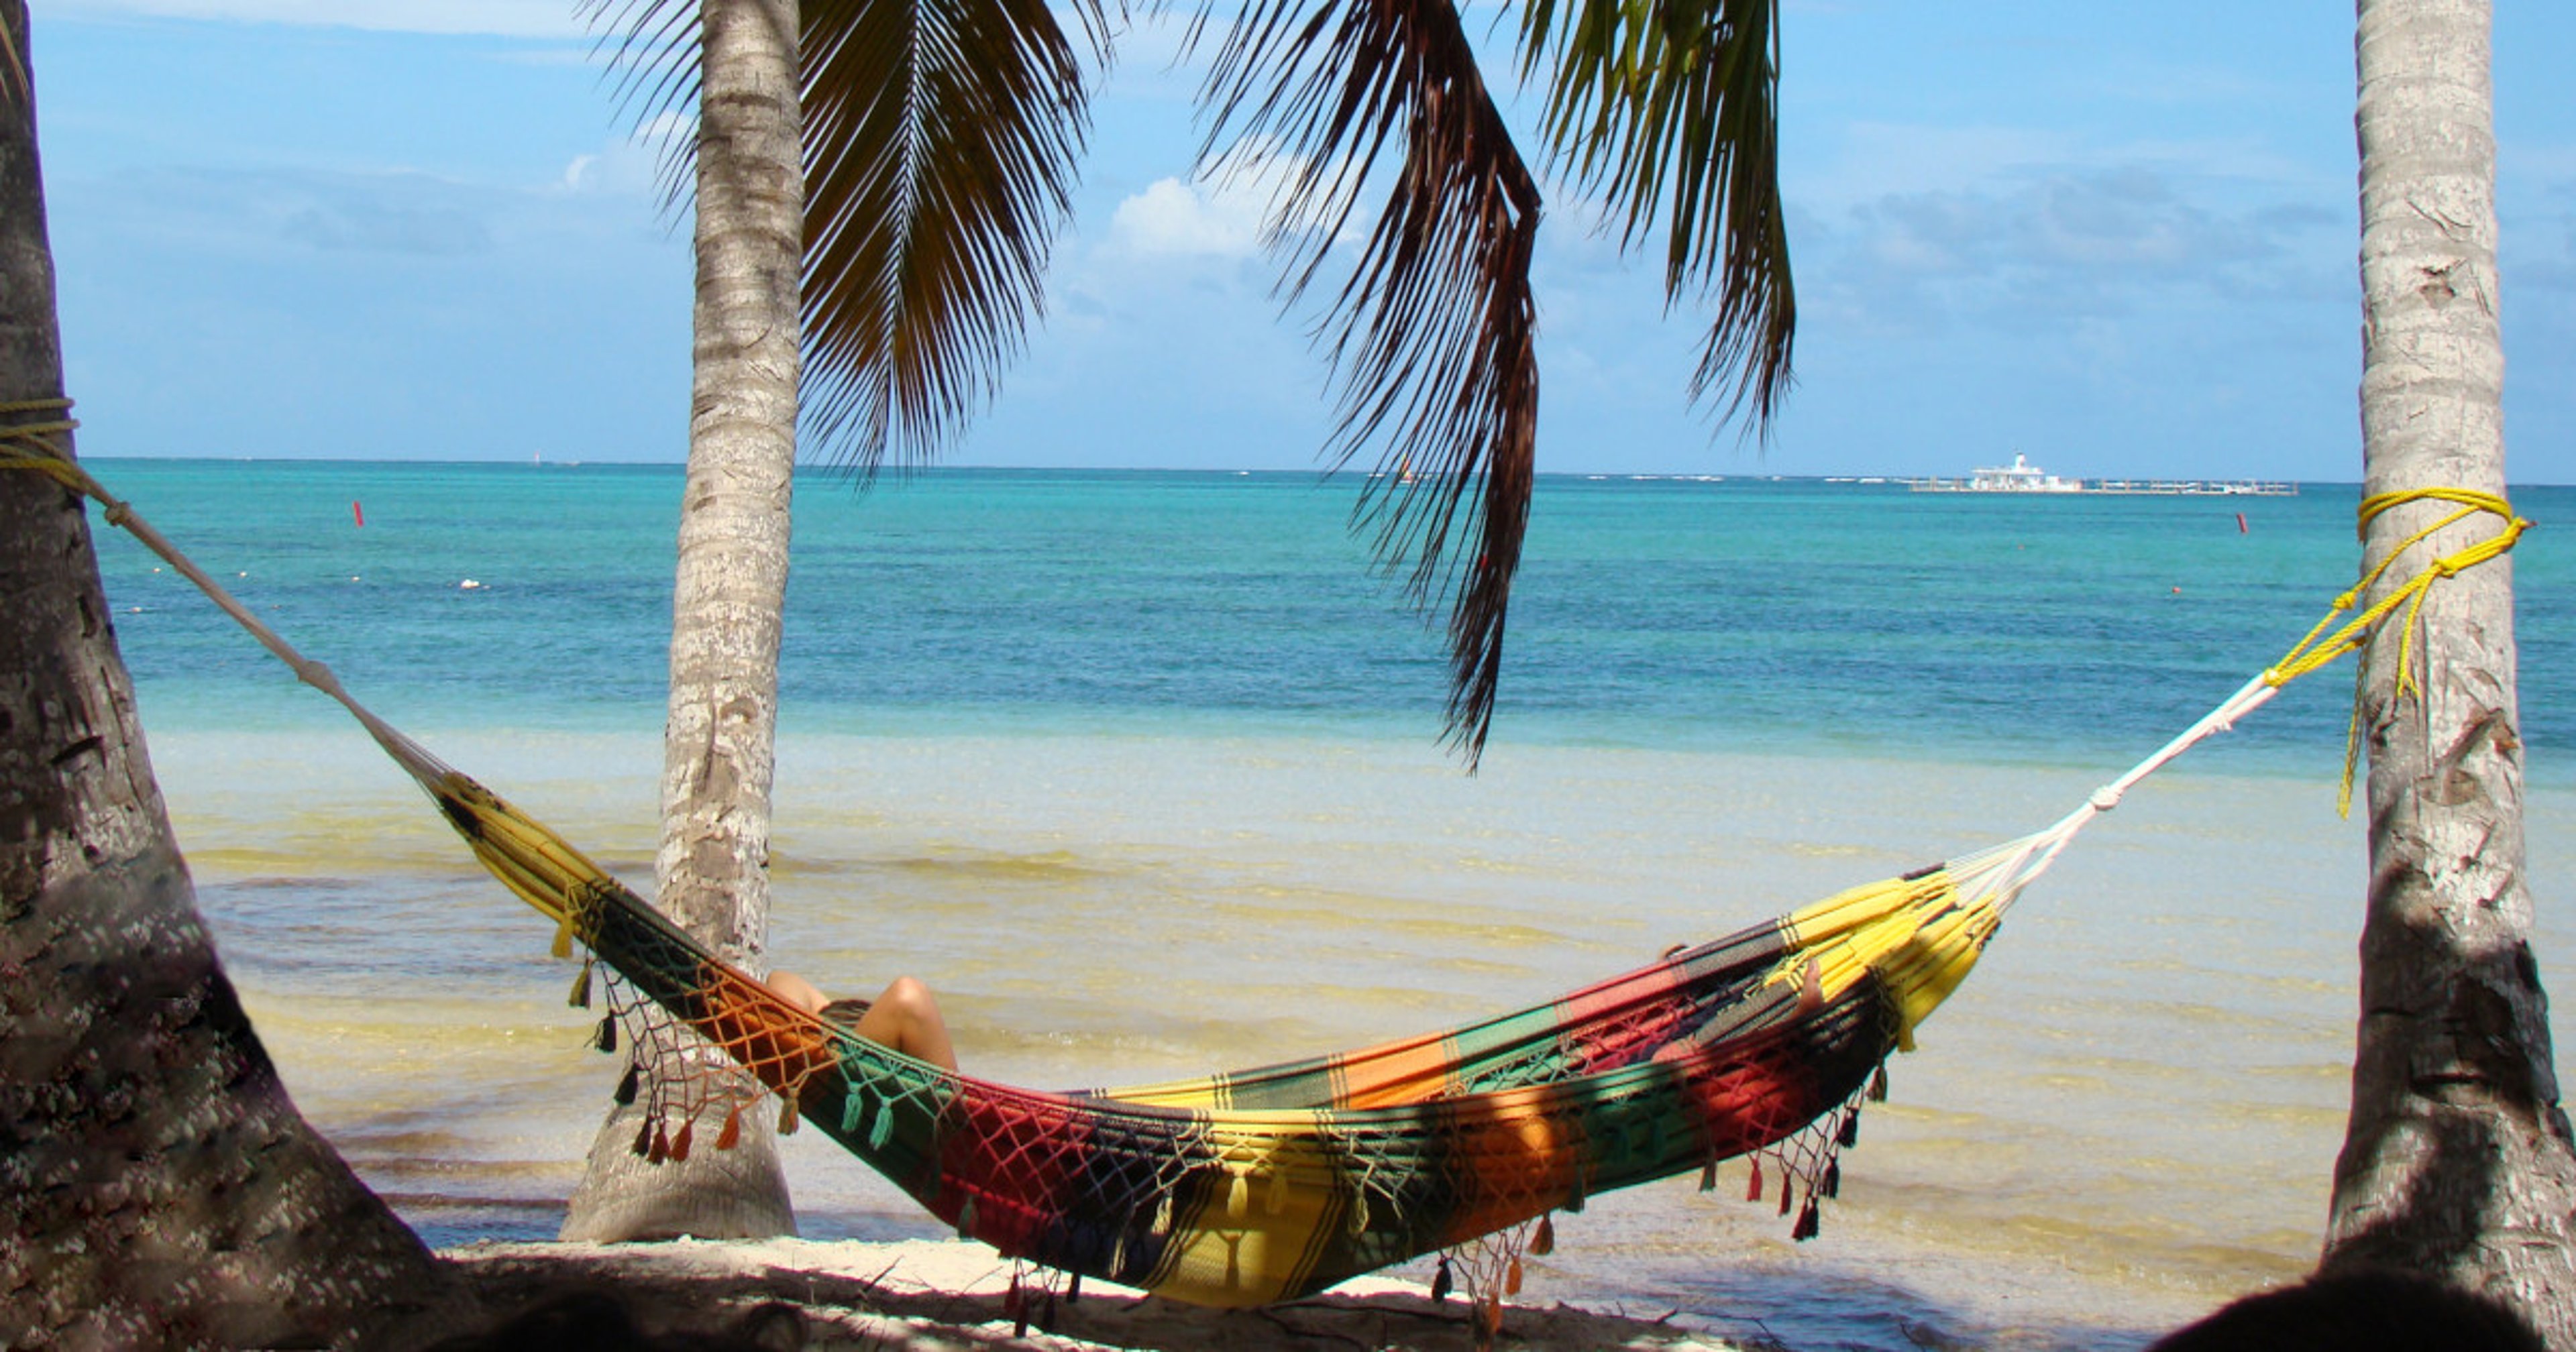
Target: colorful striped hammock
{"points": [[1273, 1183]]}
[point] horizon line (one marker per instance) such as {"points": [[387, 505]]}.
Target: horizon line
{"points": [[899, 473]]}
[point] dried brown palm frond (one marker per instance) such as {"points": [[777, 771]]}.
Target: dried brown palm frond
{"points": [[1669, 109], [1431, 337], [940, 145]]}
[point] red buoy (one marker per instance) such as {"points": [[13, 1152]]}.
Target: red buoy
{"points": [[359, 512], [2240, 523]]}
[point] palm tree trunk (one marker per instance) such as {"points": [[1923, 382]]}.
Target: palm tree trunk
{"points": [[2458, 1161], [157, 1187], [712, 871]]}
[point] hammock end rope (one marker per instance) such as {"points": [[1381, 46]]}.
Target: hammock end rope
{"points": [[2320, 647]]}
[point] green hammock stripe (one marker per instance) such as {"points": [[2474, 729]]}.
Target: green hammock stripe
{"points": [[1414, 1146]]}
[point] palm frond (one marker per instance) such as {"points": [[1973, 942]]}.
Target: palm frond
{"points": [[653, 48], [1432, 336], [940, 145], [1669, 108], [13, 72]]}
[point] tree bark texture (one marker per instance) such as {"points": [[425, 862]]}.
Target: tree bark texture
{"points": [[719, 744], [157, 1187], [2458, 1160]]}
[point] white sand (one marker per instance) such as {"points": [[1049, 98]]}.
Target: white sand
{"points": [[929, 1294]]}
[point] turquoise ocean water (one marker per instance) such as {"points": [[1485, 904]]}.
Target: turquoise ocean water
{"points": [[1141, 771]]}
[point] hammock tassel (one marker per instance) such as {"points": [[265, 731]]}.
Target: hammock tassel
{"points": [[1753, 1185], [1785, 1191], [626, 1084], [1544, 1242], [660, 1150], [1708, 1175], [731, 1136], [1441, 1283], [1238, 1194], [1809, 1223], [1073, 1291], [1849, 1136], [680, 1143], [1878, 1086], [1833, 1184], [562, 947], [1574, 1204], [1512, 1279], [607, 1039], [787, 1115], [580, 998], [881, 1128], [1162, 1216], [643, 1139], [853, 1111], [966, 1219]]}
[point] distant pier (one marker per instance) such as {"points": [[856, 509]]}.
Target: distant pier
{"points": [[2160, 488]]}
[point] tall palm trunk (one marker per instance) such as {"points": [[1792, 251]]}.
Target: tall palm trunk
{"points": [[2458, 1158], [157, 1187], [712, 871]]}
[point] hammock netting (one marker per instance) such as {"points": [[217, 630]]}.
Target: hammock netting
{"points": [[1273, 1183], [1267, 1184]]}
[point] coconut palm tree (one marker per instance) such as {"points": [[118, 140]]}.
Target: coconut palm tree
{"points": [[2458, 1160], [932, 145], [157, 1186]]}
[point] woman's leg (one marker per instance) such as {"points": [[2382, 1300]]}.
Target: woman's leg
{"points": [[798, 991], [906, 1018]]}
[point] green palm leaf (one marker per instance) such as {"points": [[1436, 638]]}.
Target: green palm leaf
{"points": [[940, 147], [1432, 335], [1669, 108]]}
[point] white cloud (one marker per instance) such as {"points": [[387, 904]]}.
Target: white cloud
{"points": [[1172, 217], [1224, 212], [633, 165], [505, 18]]}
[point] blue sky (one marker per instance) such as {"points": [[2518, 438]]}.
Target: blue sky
{"points": [[2118, 238]]}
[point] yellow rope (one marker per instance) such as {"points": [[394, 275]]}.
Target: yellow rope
{"points": [[2320, 647], [33, 445]]}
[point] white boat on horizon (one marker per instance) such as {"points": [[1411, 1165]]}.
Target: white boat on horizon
{"points": [[2020, 476]]}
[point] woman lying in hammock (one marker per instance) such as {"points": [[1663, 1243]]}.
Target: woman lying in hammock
{"points": [[905, 1017]]}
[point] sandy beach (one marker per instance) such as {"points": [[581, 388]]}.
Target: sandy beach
{"points": [[946, 1296]]}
